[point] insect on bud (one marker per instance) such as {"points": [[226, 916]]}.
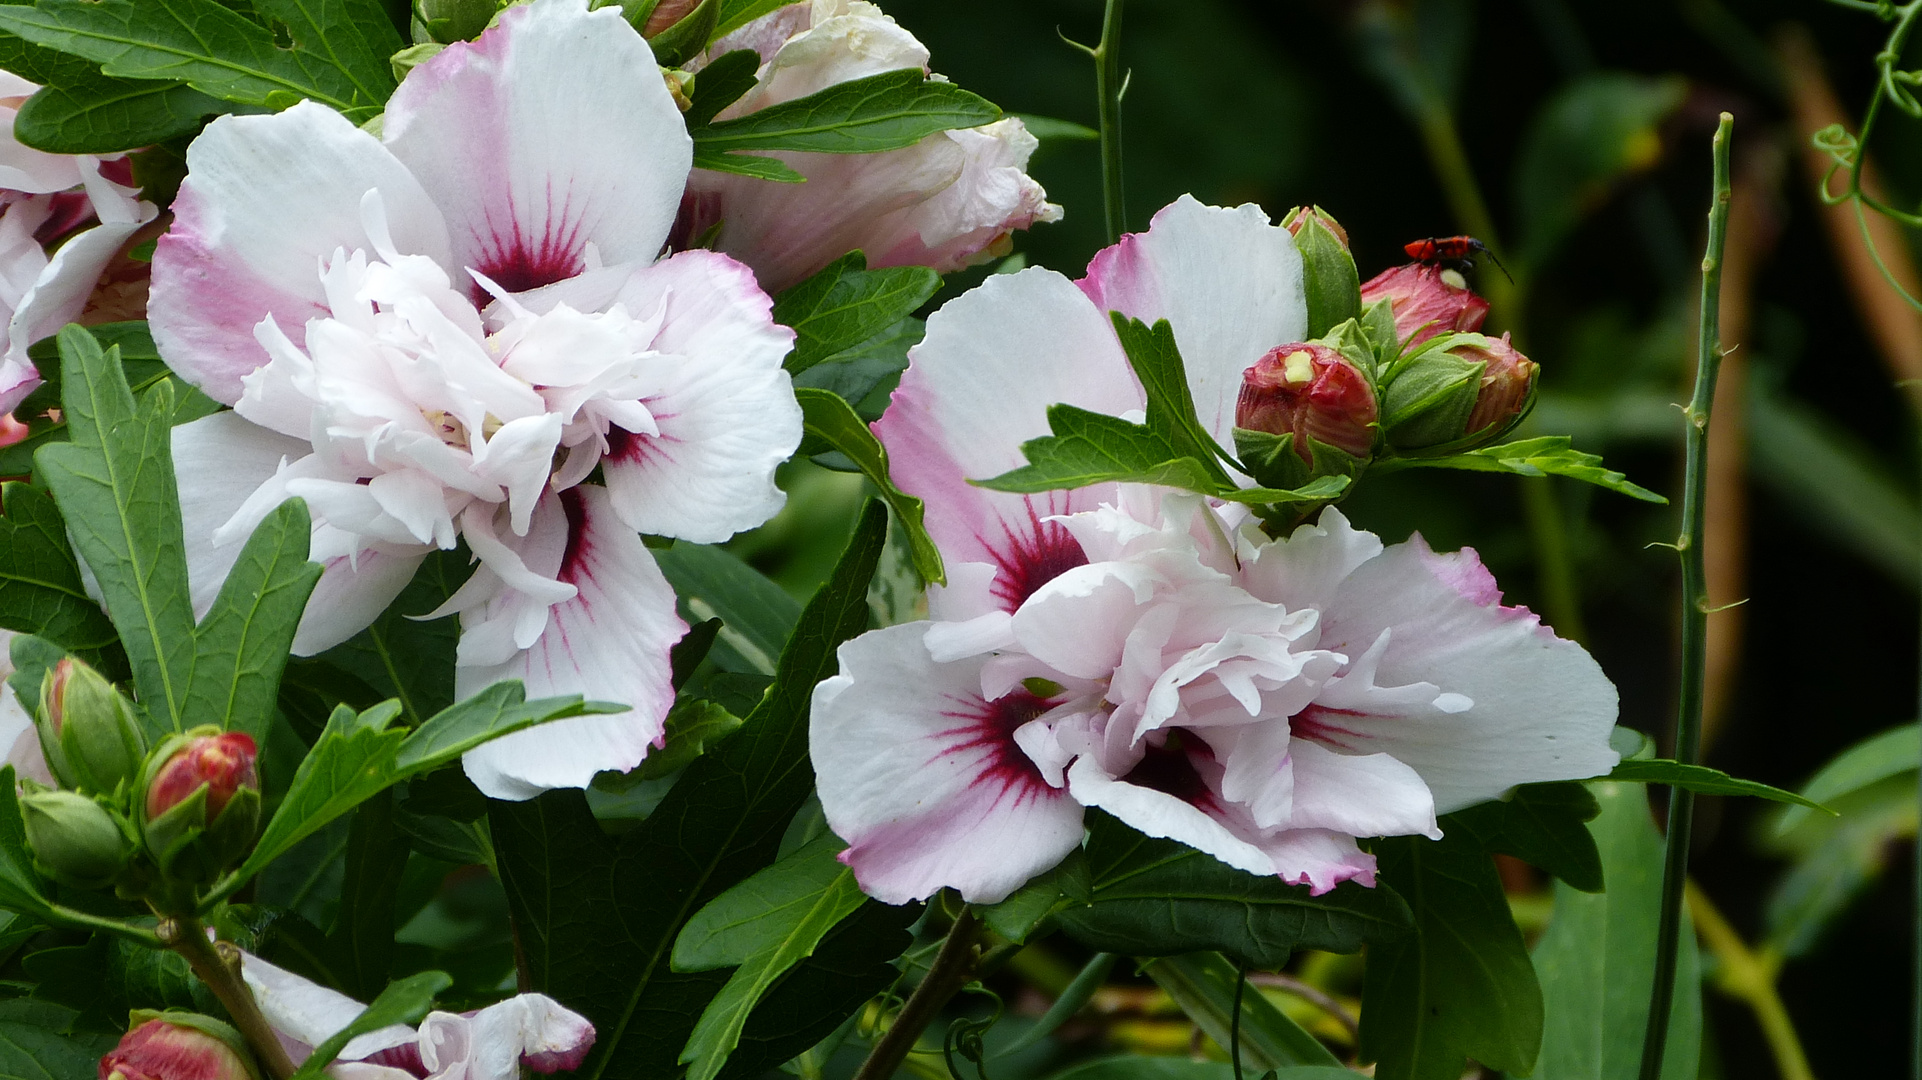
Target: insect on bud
{"points": [[75, 840], [178, 1047], [202, 802], [1313, 393], [1426, 299], [88, 732]]}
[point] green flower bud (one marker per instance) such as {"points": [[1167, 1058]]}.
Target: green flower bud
{"points": [[1328, 277], [75, 840], [448, 21], [200, 805], [88, 732], [1465, 390]]}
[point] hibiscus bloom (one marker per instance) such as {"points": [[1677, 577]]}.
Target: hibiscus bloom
{"points": [[440, 334], [949, 201], [489, 1044], [1266, 701], [84, 204]]}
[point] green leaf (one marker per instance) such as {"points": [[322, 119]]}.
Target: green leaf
{"points": [[756, 614], [693, 724], [862, 116], [501, 709], [720, 84], [404, 656], [831, 419], [114, 483], [1137, 1067], [1874, 759], [405, 1001], [1156, 361], [1050, 129], [356, 36], [846, 304], [765, 925], [735, 14], [200, 42], [105, 115], [40, 588], [1542, 825], [858, 371], [1597, 960], [37, 1042], [1461, 985], [240, 648], [1547, 455], [596, 920], [1836, 860], [1328, 276], [20, 887], [1032, 906], [362, 939], [684, 40], [1203, 984], [1705, 781], [760, 168], [1157, 897]]}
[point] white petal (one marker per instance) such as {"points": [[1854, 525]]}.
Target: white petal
{"points": [[1227, 281], [60, 293], [609, 643], [527, 1027], [219, 462], [725, 408], [265, 200], [1165, 814], [1080, 621], [1359, 794], [924, 779], [554, 130], [351, 594], [1304, 569], [310, 1013]]}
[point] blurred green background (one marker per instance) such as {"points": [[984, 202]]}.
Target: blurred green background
{"points": [[1584, 127]]}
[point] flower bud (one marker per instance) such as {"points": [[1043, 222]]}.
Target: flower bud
{"points": [[1464, 390], [1303, 401], [1328, 275], [176, 1047], [202, 802], [75, 840], [448, 21], [88, 732], [1426, 300], [666, 14]]}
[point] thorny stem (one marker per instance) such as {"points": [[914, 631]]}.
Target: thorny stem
{"points": [[1109, 84], [953, 966], [1750, 976], [1688, 718], [187, 936]]}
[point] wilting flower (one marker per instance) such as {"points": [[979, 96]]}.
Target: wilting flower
{"points": [[83, 203], [949, 201], [1426, 300], [1138, 650], [491, 1044], [439, 334], [161, 1049]]}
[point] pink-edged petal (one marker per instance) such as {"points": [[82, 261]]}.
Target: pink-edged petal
{"points": [[266, 199], [726, 409], [18, 378], [310, 1013], [969, 221], [530, 1029], [1537, 708], [924, 779], [609, 643], [1319, 858], [976, 388], [60, 293], [1359, 794], [1167, 795], [1227, 281], [551, 132]]}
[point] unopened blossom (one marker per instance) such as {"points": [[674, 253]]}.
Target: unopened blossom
{"points": [[85, 201], [162, 1050], [949, 201], [1136, 649], [494, 1043], [438, 335], [1313, 393], [1426, 299]]}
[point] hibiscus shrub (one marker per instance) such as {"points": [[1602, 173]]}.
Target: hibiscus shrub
{"points": [[382, 704]]}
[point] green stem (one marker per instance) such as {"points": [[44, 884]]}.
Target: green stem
{"points": [[1561, 602], [1750, 976], [953, 966], [1688, 718], [188, 937], [1109, 82]]}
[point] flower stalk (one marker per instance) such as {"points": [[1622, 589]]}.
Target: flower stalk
{"points": [[211, 964], [1110, 83], [953, 966], [1695, 609]]}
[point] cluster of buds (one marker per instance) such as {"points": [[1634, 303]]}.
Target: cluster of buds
{"points": [[1393, 366], [126, 817]]}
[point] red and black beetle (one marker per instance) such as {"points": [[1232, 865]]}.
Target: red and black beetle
{"points": [[1452, 252]]}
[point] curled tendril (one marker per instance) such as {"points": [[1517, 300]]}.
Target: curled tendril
{"points": [[969, 1037]]}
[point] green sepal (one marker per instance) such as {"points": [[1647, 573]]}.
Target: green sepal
{"points": [[98, 747], [448, 21], [1273, 462], [683, 41], [1328, 276], [75, 840], [185, 846], [1377, 323]]}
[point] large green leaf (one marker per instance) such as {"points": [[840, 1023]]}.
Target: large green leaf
{"points": [[1705, 781], [114, 483], [40, 588], [1135, 1067], [1546, 455], [355, 36], [1157, 897], [1203, 984], [1597, 960], [1874, 759], [1461, 985], [762, 927], [200, 42], [861, 116], [38, 1042], [240, 647], [846, 304], [858, 371], [756, 614], [105, 115], [362, 938], [829, 418], [1542, 825], [596, 921], [1156, 361]]}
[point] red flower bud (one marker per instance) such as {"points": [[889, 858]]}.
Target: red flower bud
{"points": [[159, 1050], [1426, 300], [1313, 392], [1505, 383], [223, 762]]}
